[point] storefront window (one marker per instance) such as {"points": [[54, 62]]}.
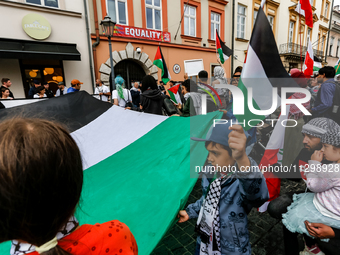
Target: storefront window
{"points": [[49, 3], [44, 71]]}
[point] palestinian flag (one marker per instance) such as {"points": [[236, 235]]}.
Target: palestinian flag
{"points": [[262, 71], [309, 61], [317, 64], [139, 176], [222, 50], [160, 63], [336, 67], [174, 95]]}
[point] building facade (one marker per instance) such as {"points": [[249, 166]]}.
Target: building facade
{"points": [[334, 38], [45, 40], [289, 28], [185, 30]]}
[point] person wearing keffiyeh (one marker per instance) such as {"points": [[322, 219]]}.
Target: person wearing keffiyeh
{"points": [[227, 198]]}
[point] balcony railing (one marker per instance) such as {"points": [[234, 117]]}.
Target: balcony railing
{"points": [[295, 49]]}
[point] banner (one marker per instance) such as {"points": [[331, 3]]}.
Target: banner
{"points": [[142, 33]]}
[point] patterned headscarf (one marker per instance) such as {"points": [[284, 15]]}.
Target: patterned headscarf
{"points": [[219, 74], [120, 84], [318, 127]]}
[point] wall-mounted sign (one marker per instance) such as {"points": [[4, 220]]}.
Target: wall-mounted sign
{"points": [[141, 33], [176, 68], [36, 26]]}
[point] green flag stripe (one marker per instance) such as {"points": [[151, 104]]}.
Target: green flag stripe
{"points": [[159, 64], [221, 55]]}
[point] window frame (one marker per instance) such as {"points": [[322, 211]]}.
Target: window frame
{"points": [[154, 8], [238, 25], [185, 38], [117, 11], [337, 48], [331, 44], [214, 23], [189, 16], [44, 5]]}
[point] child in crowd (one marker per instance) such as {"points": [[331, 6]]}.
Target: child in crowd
{"points": [[40, 92], [322, 206], [41, 178], [222, 211], [5, 93]]}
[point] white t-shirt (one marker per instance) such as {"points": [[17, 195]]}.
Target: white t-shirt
{"points": [[102, 89], [127, 97], [38, 96]]}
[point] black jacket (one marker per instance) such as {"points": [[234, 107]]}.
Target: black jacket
{"points": [[152, 101]]}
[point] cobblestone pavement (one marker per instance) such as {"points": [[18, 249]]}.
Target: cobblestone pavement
{"points": [[265, 232]]}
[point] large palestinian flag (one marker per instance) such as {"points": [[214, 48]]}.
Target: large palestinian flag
{"points": [[160, 63], [222, 50], [136, 165], [262, 71]]}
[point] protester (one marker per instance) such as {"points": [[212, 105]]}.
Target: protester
{"points": [[32, 91], [312, 133], [322, 206], [48, 92], [121, 96], [151, 99], [75, 86], [5, 93], [6, 83], [40, 188], [135, 94], [102, 92], [62, 89], [222, 210], [219, 75], [292, 136], [313, 87], [203, 85], [40, 92], [324, 99], [193, 103]]}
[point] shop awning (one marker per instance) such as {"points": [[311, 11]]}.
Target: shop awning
{"points": [[22, 49]]}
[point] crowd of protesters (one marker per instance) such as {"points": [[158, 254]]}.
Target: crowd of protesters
{"points": [[221, 212]]}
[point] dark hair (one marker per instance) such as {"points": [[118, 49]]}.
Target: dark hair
{"points": [[41, 178], [45, 83], [190, 85], [39, 89], [148, 82], [238, 69], [328, 71], [3, 90], [203, 75], [227, 148], [4, 80]]}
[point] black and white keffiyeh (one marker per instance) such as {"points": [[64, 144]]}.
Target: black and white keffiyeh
{"points": [[208, 223], [26, 248]]}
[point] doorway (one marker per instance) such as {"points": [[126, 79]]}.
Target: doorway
{"points": [[130, 70]]}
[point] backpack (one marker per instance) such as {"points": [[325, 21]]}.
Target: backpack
{"points": [[169, 107]]}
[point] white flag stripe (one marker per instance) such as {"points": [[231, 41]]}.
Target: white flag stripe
{"points": [[118, 128], [258, 80], [13, 103]]}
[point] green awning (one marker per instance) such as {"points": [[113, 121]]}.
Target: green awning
{"points": [[22, 49]]}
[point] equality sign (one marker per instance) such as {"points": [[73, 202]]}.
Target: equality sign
{"points": [[142, 33]]}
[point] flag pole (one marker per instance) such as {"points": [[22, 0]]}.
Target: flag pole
{"points": [[300, 41]]}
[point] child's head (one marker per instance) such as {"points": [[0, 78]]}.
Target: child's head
{"points": [[41, 179], [41, 90], [4, 92], [331, 142], [219, 154]]}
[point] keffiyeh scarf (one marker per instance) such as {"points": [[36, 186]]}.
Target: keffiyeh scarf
{"points": [[208, 223], [26, 248]]}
